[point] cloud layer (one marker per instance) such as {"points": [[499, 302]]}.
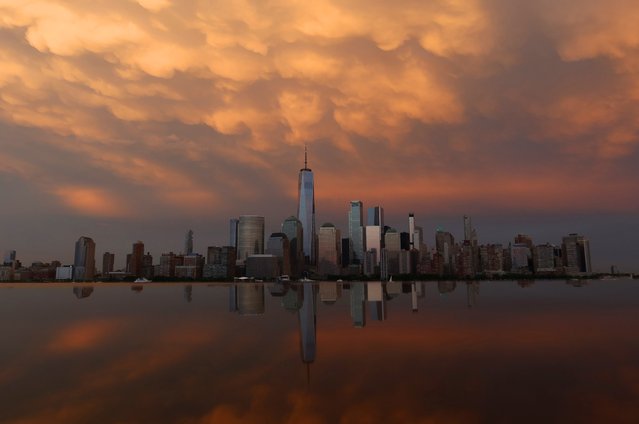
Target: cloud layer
{"points": [[192, 108]]}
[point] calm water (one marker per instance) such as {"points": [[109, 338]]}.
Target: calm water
{"points": [[426, 352]]}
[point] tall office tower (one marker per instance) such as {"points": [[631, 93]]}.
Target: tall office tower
{"points": [[393, 241], [188, 243], [419, 239], [444, 244], [411, 231], [292, 227], [347, 251], [328, 251], [220, 262], [465, 262], [375, 216], [147, 266], [390, 254], [136, 263], [9, 257], [213, 254], [306, 209], [521, 257], [356, 231], [405, 240], [278, 245], [576, 253], [84, 260], [468, 227], [233, 222], [374, 241], [108, 261], [470, 233], [491, 256], [544, 258], [250, 236]]}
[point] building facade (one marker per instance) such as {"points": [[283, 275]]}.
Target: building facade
{"points": [[576, 253], [84, 259], [292, 227], [250, 236], [306, 210], [356, 231], [328, 252]]}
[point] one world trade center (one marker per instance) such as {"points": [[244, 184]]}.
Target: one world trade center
{"points": [[306, 210]]}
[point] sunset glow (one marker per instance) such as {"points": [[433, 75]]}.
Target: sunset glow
{"points": [[199, 110]]}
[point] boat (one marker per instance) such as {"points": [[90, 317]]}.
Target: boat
{"points": [[283, 278], [142, 280], [244, 279]]}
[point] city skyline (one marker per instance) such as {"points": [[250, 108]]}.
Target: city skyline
{"points": [[248, 236], [180, 115]]}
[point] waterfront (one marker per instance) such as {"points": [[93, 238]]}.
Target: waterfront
{"points": [[544, 351]]}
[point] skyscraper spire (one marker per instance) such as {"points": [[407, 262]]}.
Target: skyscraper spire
{"points": [[305, 158]]}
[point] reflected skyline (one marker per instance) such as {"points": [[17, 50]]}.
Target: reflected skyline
{"points": [[304, 352]]}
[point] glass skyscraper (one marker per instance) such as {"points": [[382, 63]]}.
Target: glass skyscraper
{"points": [[84, 259], [292, 227], [356, 231], [306, 210], [250, 236]]}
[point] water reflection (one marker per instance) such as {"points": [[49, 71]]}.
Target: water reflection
{"points": [[330, 292], [82, 292], [446, 286], [188, 293], [472, 291], [307, 322], [244, 353], [358, 304], [376, 300], [250, 298]]}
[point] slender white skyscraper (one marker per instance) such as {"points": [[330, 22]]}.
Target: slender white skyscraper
{"points": [[306, 209], [411, 230]]}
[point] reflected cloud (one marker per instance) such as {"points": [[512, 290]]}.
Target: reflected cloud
{"points": [[84, 336], [204, 363]]}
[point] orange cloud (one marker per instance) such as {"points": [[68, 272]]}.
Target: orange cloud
{"points": [[171, 98], [92, 201]]}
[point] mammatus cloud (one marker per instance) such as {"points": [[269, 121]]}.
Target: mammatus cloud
{"points": [[202, 105]]}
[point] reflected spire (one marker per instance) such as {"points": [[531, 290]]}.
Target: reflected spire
{"points": [[308, 335]]}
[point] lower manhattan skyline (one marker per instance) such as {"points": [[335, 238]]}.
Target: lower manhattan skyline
{"points": [[181, 115], [339, 211]]}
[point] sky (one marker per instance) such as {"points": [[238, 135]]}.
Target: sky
{"points": [[124, 120]]}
